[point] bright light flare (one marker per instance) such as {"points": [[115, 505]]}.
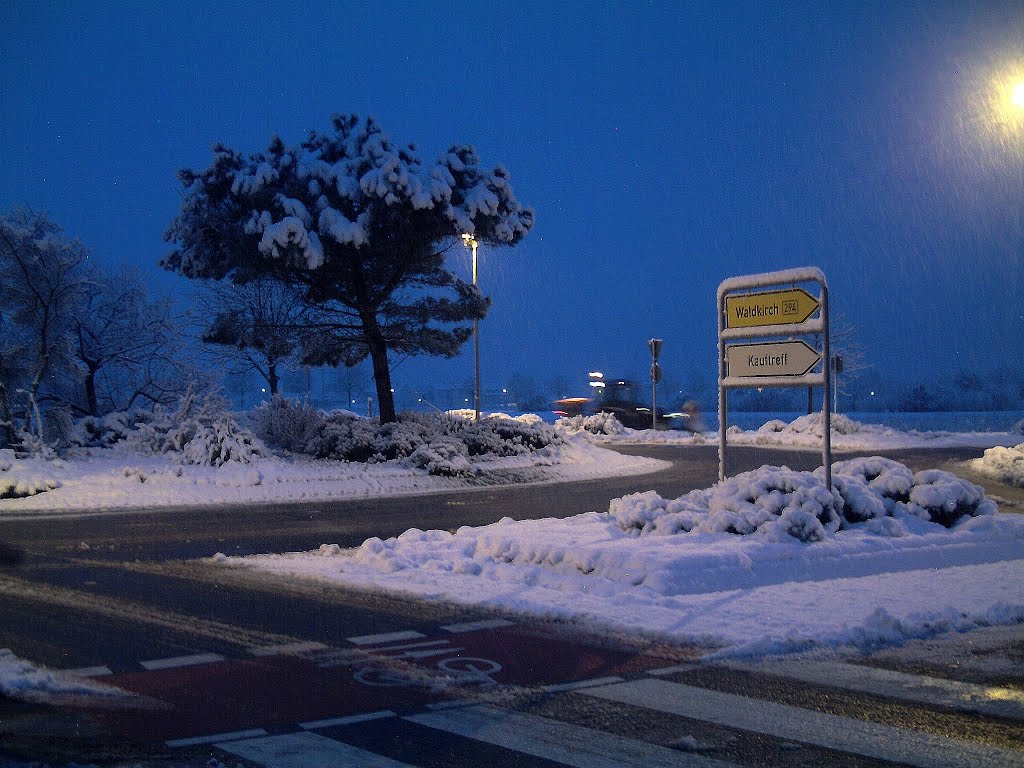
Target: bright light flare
{"points": [[1018, 95]]}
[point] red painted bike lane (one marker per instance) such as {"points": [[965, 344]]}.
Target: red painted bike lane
{"points": [[401, 671]]}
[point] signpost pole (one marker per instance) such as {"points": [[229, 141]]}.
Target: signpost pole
{"points": [[826, 410], [655, 347]]}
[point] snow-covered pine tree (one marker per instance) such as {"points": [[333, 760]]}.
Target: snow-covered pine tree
{"points": [[361, 227]]}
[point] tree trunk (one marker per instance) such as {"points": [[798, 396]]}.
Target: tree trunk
{"points": [[91, 401], [381, 375], [6, 419], [272, 378]]}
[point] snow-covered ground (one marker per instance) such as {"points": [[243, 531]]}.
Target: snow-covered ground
{"points": [[1004, 464], [20, 679], [114, 479], [670, 569]]}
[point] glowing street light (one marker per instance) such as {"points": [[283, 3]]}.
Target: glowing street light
{"points": [[470, 242], [1018, 95]]}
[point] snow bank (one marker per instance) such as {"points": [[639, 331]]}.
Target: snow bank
{"points": [[1004, 464], [19, 479], [805, 432], [20, 679], [894, 574]]}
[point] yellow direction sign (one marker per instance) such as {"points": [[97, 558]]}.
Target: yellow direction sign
{"points": [[774, 358], [793, 305]]}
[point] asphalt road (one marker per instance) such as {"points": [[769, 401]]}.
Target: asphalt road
{"points": [[114, 591]]}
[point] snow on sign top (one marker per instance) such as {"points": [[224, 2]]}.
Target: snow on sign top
{"points": [[793, 305]]}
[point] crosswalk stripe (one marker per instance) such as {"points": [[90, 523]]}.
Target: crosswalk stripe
{"points": [[965, 697], [561, 742], [307, 750], [793, 723]]}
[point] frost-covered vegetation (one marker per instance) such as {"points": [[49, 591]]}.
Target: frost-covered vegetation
{"points": [[778, 502], [199, 431], [1004, 464], [601, 423], [442, 444], [20, 479]]}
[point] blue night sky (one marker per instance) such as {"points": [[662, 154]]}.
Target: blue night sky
{"points": [[665, 146]]}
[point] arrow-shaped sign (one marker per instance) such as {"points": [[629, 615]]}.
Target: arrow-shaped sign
{"points": [[793, 305], [774, 358]]}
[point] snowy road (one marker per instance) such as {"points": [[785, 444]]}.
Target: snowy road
{"points": [[121, 595]]}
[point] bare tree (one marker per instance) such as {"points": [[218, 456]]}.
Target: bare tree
{"points": [[42, 280], [124, 345], [256, 325]]}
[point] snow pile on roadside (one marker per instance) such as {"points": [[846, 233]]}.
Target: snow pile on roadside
{"points": [[20, 679], [805, 432], [28, 477], [1004, 464], [600, 423], [870, 582]]}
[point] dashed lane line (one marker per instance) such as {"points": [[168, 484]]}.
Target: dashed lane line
{"points": [[98, 671], [791, 723], [475, 626], [557, 741], [386, 637], [176, 662], [289, 649], [303, 750], [934, 691]]}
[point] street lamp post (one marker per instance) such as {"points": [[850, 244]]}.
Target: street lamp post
{"points": [[471, 242]]}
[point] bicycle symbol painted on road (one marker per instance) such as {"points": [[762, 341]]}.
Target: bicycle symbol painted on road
{"points": [[454, 669], [460, 670]]}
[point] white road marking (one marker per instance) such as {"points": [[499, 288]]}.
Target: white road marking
{"points": [[557, 741], [575, 686], [386, 637], [671, 670], [347, 720], [786, 722], [288, 649], [936, 691], [215, 738], [89, 671], [181, 661], [307, 750], [473, 626]]}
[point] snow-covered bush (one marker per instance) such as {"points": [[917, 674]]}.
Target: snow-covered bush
{"points": [[443, 457], [200, 431], [426, 440], [19, 479], [286, 424], [811, 424], [601, 423], [1004, 464], [778, 502], [1018, 428], [105, 431]]}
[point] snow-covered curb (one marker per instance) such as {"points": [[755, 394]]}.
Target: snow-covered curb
{"points": [[112, 479], [870, 584]]}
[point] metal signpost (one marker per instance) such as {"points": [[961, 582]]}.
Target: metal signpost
{"points": [[655, 346], [744, 313]]}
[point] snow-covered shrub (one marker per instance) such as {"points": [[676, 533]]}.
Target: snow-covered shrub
{"points": [[1004, 464], [443, 457], [286, 424], [346, 437], [22, 478], [811, 424], [779, 503], [200, 431], [601, 423], [105, 431], [946, 499], [343, 437], [1018, 428]]}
